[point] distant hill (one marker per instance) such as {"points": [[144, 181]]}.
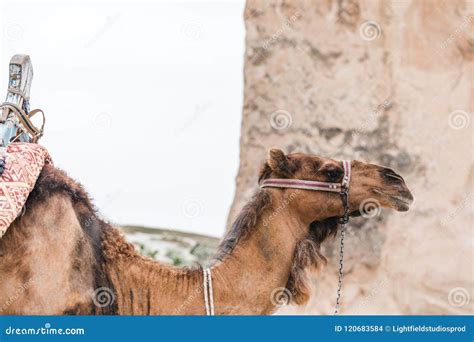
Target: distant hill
{"points": [[171, 246]]}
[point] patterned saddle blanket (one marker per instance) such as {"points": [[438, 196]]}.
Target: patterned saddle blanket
{"points": [[23, 164]]}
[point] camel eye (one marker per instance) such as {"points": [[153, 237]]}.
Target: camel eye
{"points": [[333, 175]]}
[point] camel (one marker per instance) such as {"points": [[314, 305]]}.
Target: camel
{"points": [[60, 258]]}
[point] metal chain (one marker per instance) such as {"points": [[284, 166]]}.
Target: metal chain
{"points": [[343, 221], [341, 267]]}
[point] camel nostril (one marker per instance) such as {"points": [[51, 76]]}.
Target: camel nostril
{"points": [[391, 176]]}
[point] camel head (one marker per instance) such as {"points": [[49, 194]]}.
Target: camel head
{"points": [[371, 186]]}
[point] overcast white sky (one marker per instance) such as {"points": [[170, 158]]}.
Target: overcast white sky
{"points": [[143, 102]]}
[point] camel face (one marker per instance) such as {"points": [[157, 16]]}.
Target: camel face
{"points": [[372, 184]]}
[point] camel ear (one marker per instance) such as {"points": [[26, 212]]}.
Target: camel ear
{"points": [[278, 162], [277, 159]]}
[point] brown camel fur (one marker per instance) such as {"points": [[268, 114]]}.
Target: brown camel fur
{"points": [[59, 255]]}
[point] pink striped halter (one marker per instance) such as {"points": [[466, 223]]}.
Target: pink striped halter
{"points": [[311, 185], [342, 188]]}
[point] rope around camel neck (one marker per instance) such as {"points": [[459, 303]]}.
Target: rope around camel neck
{"points": [[208, 292]]}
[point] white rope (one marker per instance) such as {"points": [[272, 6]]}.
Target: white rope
{"points": [[211, 295], [208, 293]]}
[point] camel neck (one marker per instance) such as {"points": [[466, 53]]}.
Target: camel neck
{"points": [[254, 261], [248, 278]]}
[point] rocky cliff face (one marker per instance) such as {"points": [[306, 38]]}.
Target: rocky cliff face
{"points": [[388, 82]]}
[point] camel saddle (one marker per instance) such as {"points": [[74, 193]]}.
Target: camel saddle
{"points": [[21, 159], [23, 165]]}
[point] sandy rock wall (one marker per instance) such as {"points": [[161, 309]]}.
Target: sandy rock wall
{"points": [[389, 82]]}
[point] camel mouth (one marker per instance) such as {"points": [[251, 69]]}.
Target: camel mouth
{"points": [[400, 201]]}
